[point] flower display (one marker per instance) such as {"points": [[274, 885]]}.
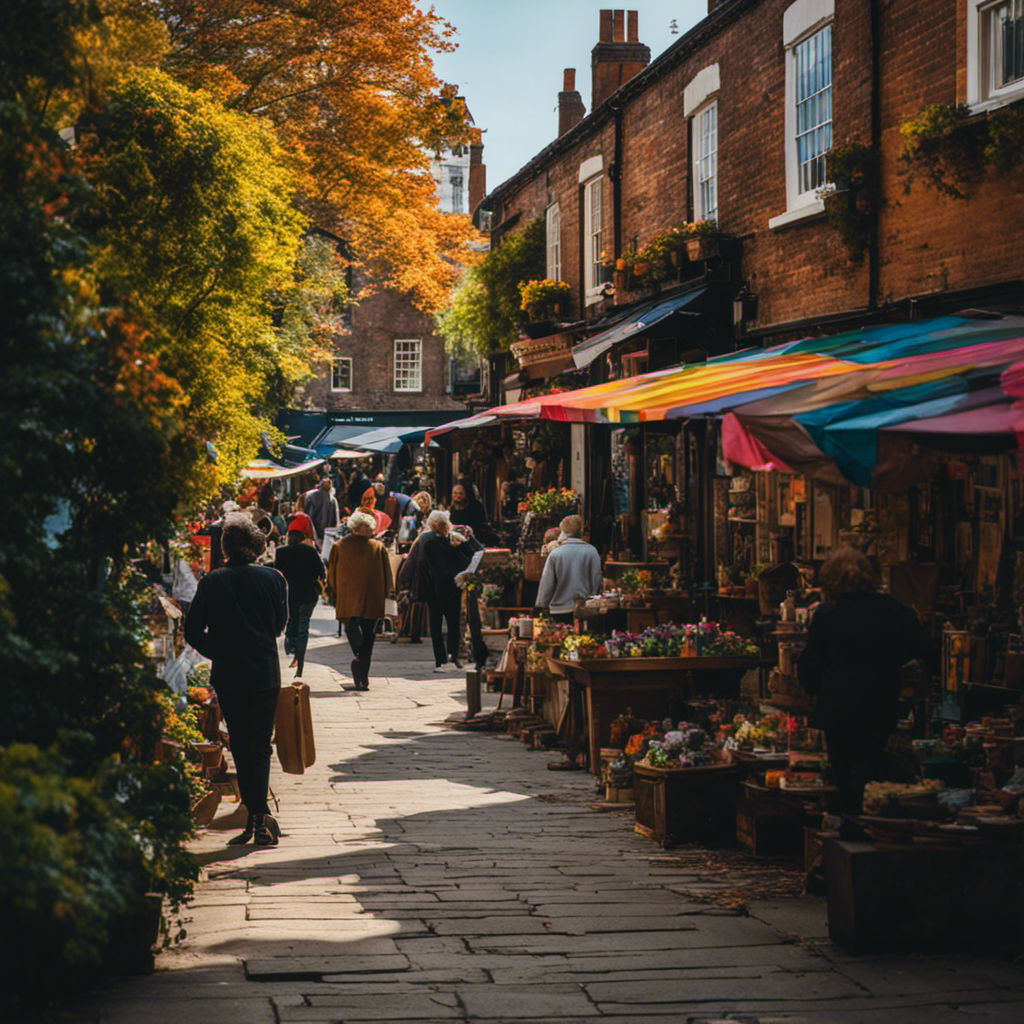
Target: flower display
{"points": [[554, 501], [686, 746]]}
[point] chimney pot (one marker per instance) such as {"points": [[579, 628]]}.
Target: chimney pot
{"points": [[570, 104], [614, 60], [618, 27]]}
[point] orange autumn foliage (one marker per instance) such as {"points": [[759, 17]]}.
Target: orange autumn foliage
{"points": [[350, 88]]}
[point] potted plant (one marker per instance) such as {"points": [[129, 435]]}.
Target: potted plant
{"points": [[700, 239], [545, 299]]}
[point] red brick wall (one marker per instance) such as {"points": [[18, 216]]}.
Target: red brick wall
{"points": [[930, 243], [802, 271], [377, 321]]}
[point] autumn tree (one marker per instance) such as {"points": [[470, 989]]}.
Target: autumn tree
{"points": [[484, 310], [350, 85]]}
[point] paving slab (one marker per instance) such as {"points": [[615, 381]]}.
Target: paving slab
{"points": [[429, 875]]}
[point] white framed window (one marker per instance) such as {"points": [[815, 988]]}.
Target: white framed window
{"points": [[593, 237], [341, 373], [705, 162], [807, 37], [408, 364], [995, 52], [456, 182], [553, 221]]}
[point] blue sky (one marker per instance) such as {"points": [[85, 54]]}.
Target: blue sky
{"points": [[510, 59]]}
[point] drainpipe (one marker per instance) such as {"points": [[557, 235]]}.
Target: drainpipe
{"points": [[876, 149], [615, 173]]}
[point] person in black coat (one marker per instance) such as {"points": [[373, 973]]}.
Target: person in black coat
{"points": [[857, 644], [304, 570], [235, 618], [357, 487], [466, 510], [443, 556]]}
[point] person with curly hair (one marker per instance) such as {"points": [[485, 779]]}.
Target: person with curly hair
{"points": [[235, 618], [857, 644]]}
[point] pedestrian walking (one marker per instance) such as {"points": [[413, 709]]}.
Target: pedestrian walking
{"points": [[857, 644], [184, 583], [357, 485], [235, 618], [359, 576], [304, 570], [444, 556], [322, 508]]}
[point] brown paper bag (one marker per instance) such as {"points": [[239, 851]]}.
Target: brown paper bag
{"points": [[293, 729]]}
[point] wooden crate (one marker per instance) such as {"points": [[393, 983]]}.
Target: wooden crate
{"points": [[678, 804]]}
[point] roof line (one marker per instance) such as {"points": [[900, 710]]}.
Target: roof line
{"points": [[725, 14]]}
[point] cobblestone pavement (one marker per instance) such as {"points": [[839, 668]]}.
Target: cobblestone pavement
{"points": [[429, 875]]}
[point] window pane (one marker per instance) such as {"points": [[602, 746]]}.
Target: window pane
{"points": [[813, 60], [1007, 42], [408, 375], [706, 164], [341, 374], [595, 213], [554, 239]]}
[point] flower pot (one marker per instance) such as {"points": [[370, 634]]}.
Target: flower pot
{"points": [[620, 264], [701, 247]]}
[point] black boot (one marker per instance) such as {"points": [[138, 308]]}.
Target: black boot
{"points": [[265, 830], [243, 837]]}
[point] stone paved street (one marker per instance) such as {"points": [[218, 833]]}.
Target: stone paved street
{"points": [[432, 875]]}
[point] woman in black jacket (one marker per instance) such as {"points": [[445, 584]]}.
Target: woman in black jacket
{"points": [[235, 618], [304, 570], [444, 555], [857, 644]]}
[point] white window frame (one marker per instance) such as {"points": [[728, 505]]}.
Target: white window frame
{"points": [[553, 229], [401, 379], [705, 162], [455, 171], [700, 94], [802, 19], [593, 237], [980, 94], [335, 365]]}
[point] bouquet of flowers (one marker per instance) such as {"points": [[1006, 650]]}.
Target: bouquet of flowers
{"points": [[581, 645], [556, 502], [731, 645], [686, 746]]}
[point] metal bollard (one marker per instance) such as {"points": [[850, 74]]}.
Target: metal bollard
{"points": [[472, 693]]}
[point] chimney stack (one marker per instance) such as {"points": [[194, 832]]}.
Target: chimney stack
{"points": [[477, 170], [618, 56], [570, 104]]}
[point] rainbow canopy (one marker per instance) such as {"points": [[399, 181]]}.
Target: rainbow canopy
{"points": [[818, 406]]}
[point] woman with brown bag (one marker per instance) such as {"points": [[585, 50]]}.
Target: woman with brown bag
{"points": [[359, 574]]}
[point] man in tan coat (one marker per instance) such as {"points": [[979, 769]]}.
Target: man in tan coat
{"points": [[359, 575]]}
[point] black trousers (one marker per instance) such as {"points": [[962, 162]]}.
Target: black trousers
{"points": [[856, 757], [250, 721], [361, 633], [447, 609]]}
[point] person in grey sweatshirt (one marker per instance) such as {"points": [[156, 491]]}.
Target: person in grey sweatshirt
{"points": [[572, 570]]}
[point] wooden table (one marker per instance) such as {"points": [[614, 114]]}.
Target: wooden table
{"points": [[651, 687]]}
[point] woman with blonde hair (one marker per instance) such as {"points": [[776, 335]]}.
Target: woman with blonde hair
{"points": [[359, 576], [857, 644]]}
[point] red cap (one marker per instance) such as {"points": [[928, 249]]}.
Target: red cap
{"points": [[301, 522]]}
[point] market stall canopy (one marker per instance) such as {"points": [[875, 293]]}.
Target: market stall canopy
{"points": [[347, 453], [387, 439], [264, 469], [642, 318]]}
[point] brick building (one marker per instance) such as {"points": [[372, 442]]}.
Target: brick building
{"points": [[390, 366], [733, 122]]}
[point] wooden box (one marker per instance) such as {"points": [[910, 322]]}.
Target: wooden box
{"points": [[918, 897], [533, 565], [678, 804]]}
